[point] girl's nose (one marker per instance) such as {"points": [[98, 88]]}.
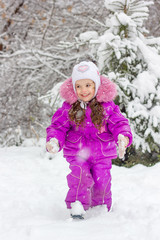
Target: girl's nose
{"points": [[84, 90]]}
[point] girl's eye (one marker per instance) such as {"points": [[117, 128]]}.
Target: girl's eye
{"points": [[77, 86], [88, 85]]}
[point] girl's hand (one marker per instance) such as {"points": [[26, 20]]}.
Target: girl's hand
{"points": [[52, 146], [122, 145]]}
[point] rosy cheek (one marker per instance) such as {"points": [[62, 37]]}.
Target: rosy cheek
{"points": [[78, 92]]}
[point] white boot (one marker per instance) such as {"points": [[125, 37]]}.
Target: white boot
{"points": [[77, 211]]}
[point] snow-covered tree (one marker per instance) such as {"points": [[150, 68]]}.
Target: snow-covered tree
{"points": [[132, 60]]}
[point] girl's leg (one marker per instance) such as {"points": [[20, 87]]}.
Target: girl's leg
{"points": [[101, 191], [80, 182]]}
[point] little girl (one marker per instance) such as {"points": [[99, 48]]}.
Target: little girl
{"points": [[88, 127]]}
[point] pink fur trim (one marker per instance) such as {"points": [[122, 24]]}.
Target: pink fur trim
{"points": [[106, 92], [67, 91]]}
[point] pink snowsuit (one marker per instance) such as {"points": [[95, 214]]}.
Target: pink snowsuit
{"points": [[89, 151]]}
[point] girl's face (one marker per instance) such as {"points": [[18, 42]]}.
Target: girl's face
{"points": [[85, 89]]}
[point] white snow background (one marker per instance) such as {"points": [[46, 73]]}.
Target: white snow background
{"points": [[33, 189]]}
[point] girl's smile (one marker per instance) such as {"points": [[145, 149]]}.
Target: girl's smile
{"points": [[85, 89]]}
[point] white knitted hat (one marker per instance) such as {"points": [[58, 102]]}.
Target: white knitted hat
{"points": [[86, 70]]}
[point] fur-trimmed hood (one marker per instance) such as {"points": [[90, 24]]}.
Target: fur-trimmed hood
{"points": [[106, 92]]}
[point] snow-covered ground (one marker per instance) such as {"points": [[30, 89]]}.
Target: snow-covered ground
{"points": [[32, 207]]}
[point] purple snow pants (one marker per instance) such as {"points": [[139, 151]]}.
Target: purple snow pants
{"points": [[89, 182]]}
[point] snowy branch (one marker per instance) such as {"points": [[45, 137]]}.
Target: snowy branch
{"points": [[46, 64], [98, 22], [48, 24]]}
